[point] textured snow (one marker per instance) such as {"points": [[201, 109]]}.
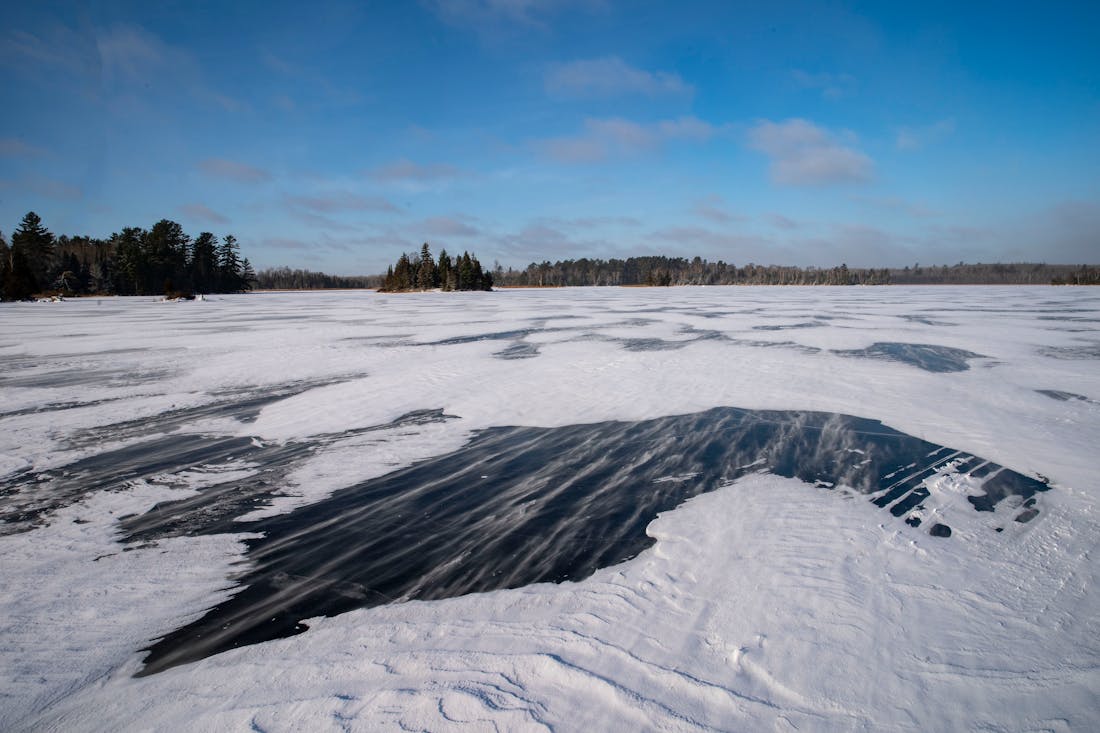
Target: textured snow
{"points": [[767, 604]]}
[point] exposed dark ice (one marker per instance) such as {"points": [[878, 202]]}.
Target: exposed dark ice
{"points": [[516, 505]]}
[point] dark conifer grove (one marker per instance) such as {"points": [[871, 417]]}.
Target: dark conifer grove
{"points": [[420, 271], [161, 260]]}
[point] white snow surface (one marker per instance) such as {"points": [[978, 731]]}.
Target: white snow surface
{"points": [[765, 605]]}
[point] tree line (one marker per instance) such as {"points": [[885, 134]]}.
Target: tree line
{"points": [[160, 260], [659, 270], [284, 278], [166, 260], [1012, 273], [423, 272], [417, 271]]}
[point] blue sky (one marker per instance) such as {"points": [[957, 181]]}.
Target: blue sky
{"points": [[335, 136]]}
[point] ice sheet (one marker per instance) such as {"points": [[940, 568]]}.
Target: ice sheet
{"points": [[739, 617]]}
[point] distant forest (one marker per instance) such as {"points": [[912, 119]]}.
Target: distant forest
{"points": [[666, 271], [697, 271], [166, 260], [135, 261], [284, 278]]}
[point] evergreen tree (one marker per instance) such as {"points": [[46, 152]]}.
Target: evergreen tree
{"points": [[166, 248], [101, 272], [229, 266], [68, 281], [248, 275], [20, 283], [465, 272], [204, 269], [5, 266], [403, 273], [446, 271], [131, 269], [479, 279], [36, 244], [427, 276]]}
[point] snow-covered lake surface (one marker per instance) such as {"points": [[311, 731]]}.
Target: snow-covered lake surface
{"points": [[577, 509]]}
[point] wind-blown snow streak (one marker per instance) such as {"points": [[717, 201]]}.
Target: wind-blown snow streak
{"points": [[134, 433], [525, 505]]}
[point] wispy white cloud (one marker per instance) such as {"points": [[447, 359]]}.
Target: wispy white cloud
{"points": [[896, 204], [713, 208], [478, 13], [623, 134], [449, 226], [858, 244], [406, 171], [551, 237], [134, 60], [285, 243], [492, 17], [914, 138], [783, 222], [591, 222], [611, 76], [55, 47], [13, 147], [128, 54], [1065, 231], [803, 154], [688, 128], [579, 149], [203, 213], [725, 244], [232, 170], [832, 86], [281, 65], [319, 222], [340, 201], [864, 239], [542, 239], [284, 102], [309, 81], [43, 186], [122, 59], [617, 137]]}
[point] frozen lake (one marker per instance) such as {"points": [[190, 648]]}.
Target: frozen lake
{"points": [[674, 508]]}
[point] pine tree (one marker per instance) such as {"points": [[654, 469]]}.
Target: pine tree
{"points": [[248, 275], [482, 280], [36, 244], [427, 275], [465, 272], [5, 266], [476, 275], [131, 269], [204, 265], [403, 273], [166, 248], [229, 265], [101, 271], [20, 283], [446, 271]]}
